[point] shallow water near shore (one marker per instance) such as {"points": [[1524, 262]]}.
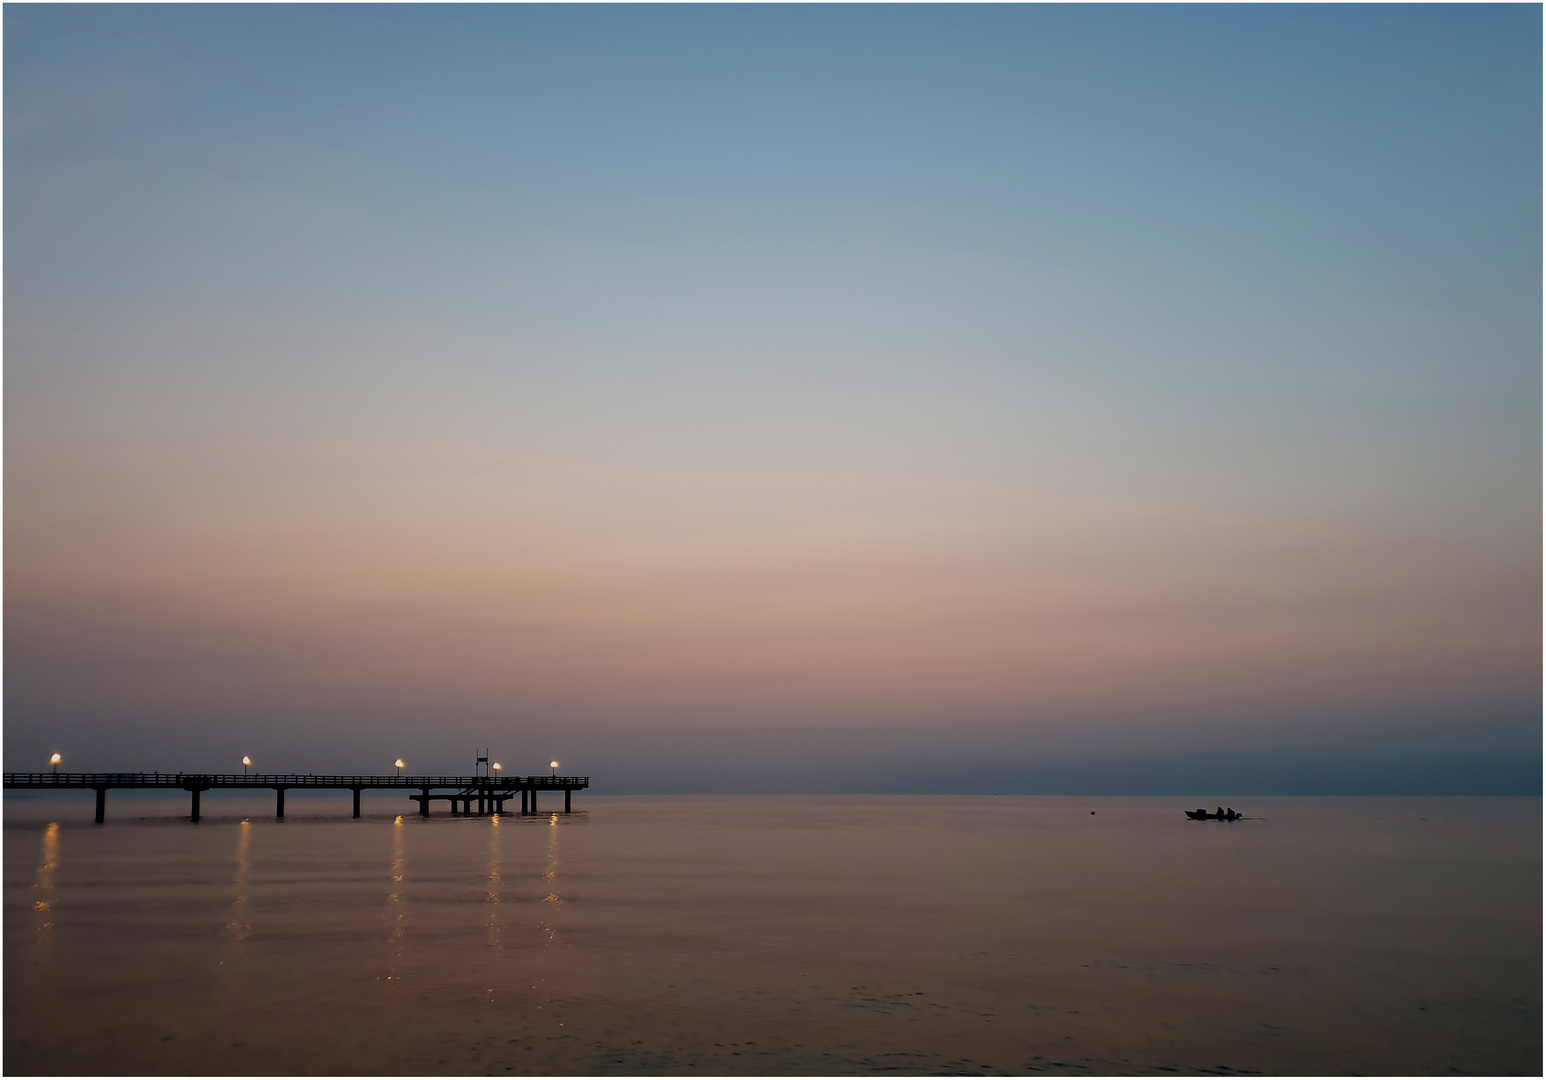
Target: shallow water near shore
{"points": [[819, 935]]}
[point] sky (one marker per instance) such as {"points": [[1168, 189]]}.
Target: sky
{"points": [[824, 398]]}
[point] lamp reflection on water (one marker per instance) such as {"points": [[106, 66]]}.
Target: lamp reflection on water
{"points": [[43, 882], [492, 895], [397, 939], [44, 997], [239, 926], [548, 926], [550, 875], [45, 875]]}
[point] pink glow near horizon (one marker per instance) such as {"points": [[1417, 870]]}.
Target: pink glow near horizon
{"points": [[638, 386]]}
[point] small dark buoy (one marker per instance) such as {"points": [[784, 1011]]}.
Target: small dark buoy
{"points": [[1092, 813]]}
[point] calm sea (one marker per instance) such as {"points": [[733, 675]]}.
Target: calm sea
{"points": [[774, 935]]}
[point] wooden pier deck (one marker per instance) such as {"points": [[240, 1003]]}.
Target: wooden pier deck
{"points": [[466, 794]]}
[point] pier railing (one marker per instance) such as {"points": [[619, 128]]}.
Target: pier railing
{"points": [[292, 780], [487, 793]]}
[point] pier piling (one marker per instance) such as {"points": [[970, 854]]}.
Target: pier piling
{"points": [[490, 793]]}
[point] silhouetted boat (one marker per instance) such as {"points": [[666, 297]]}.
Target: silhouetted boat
{"points": [[1203, 815]]}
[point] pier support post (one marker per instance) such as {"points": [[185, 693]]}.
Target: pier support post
{"points": [[195, 816], [424, 804], [356, 802], [533, 800], [523, 800], [279, 803], [566, 800], [101, 805]]}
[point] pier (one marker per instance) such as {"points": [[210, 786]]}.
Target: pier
{"points": [[468, 795]]}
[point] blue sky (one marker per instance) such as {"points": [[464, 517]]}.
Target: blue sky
{"points": [[1005, 384]]}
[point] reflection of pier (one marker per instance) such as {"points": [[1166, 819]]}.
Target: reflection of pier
{"points": [[466, 794]]}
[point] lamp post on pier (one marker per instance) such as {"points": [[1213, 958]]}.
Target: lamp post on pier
{"points": [[246, 764], [398, 765], [54, 761]]}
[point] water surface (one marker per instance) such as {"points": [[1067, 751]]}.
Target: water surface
{"points": [[774, 935]]}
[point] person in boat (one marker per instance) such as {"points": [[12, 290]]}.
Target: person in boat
{"points": [[1219, 813], [1230, 813]]}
